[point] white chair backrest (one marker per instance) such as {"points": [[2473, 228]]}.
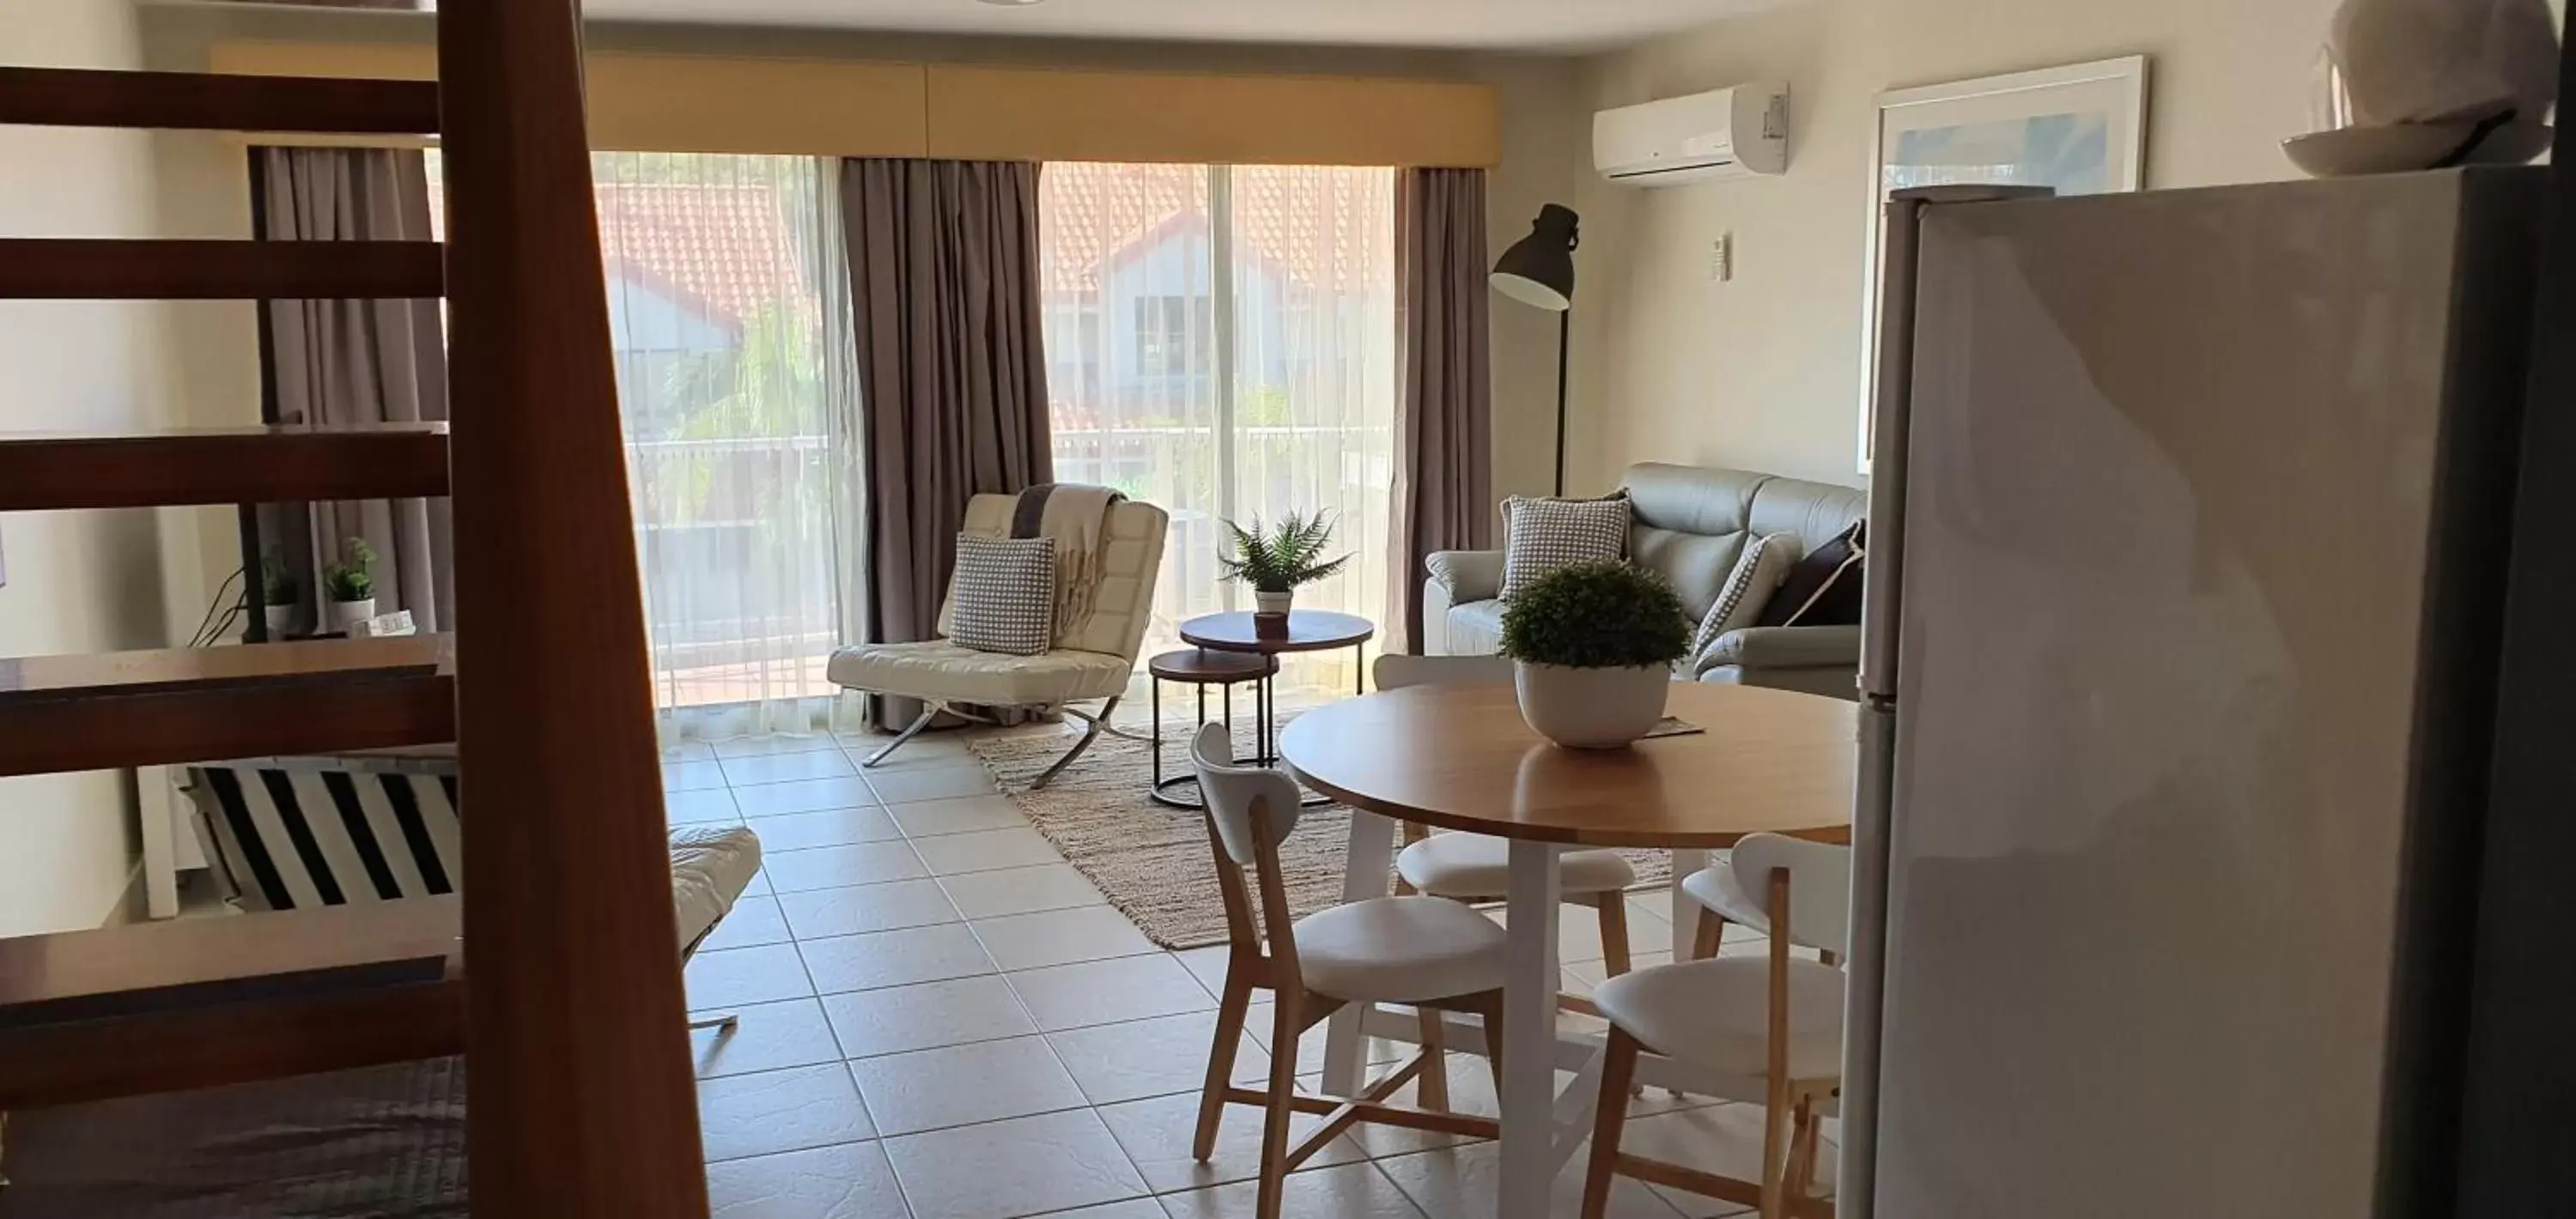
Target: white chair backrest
{"points": [[1819, 885], [1230, 791], [1395, 671], [1131, 558]]}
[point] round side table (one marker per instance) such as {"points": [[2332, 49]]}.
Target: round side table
{"points": [[1304, 631], [1203, 668]]}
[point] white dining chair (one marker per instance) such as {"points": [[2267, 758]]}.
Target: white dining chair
{"points": [[1477, 867], [1429, 953], [1775, 1020], [1722, 900]]}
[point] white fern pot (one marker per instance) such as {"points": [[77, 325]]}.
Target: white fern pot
{"points": [[1591, 708], [1271, 603], [280, 619], [346, 614]]}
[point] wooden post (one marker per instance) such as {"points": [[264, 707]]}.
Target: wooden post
{"points": [[578, 1066]]}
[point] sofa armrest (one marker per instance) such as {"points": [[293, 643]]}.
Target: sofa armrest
{"points": [[1466, 575], [1784, 647]]}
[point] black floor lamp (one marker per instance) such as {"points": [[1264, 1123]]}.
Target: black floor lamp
{"points": [[1539, 270]]}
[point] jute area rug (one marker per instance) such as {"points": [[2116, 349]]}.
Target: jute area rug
{"points": [[1153, 862]]}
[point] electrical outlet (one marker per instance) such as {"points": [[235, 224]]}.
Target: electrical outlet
{"points": [[1721, 259]]}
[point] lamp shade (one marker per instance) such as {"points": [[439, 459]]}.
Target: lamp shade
{"points": [[1539, 269]]}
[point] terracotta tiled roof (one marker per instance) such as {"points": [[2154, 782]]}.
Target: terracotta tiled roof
{"points": [[722, 248], [1322, 227]]}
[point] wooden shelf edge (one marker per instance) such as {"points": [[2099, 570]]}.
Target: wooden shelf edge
{"points": [[80, 268], [157, 670], [190, 1003], [173, 727], [191, 101], [203, 1047], [238, 466]]}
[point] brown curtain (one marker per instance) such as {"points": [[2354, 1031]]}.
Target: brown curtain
{"points": [[952, 375], [1444, 483], [343, 362]]}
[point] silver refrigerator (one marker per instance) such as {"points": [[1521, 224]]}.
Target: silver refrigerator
{"points": [[2191, 522]]}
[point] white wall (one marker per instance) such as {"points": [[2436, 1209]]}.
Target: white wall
{"points": [[1764, 372], [77, 582]]}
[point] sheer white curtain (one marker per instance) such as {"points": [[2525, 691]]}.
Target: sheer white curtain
{"points": [[727, 312], [1221, 342]]}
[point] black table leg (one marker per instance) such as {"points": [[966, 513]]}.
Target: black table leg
{"points": [[1161, 791]]}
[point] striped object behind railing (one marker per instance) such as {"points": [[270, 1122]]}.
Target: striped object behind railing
{"points": [[292, 833]]}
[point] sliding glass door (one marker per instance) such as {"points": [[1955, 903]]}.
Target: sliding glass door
{"points": [[728, 322], [1221, 342], [722, 278]]}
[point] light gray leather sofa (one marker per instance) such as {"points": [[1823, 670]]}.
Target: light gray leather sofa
{"points": [[1691, 524]]}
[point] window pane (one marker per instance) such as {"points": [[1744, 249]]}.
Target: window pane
{"points": [[1127, 284], [1297, 415], [1314, 373], [715, 268], [724, 295]]}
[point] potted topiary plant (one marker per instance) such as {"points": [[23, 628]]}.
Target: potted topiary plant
{"points": [[1592, 646], [277, 594], [1275, 561], [351, 583]]}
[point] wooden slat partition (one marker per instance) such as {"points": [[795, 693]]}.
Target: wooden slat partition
{"points": [[223, 466], [81, 97], [174, 727], [202, 1047], [35, 679], [579, 1073], [70, 713], [152, 1007], [54, 268]]}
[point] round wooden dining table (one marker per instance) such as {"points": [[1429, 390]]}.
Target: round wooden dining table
{"points": [[1461, 758]]}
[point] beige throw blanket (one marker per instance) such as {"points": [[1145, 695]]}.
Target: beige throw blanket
{"points": [[1076, 516]]}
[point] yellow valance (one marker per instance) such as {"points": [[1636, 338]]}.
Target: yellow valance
{"points": [[815, 107]]}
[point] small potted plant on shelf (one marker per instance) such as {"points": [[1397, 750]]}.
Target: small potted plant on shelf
{"points": [[277, 594], [1592, 648], [352, 583], [1275, 561]]}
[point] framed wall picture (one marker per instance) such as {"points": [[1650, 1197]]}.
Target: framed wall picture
{"points": [[2080, 129]]}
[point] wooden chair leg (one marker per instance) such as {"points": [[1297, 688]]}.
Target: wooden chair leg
{"points": [[1433, 1087], [1491, 1012], [1609, 1118], [1708, 936], [1775, 1160], [1802, 1150], [1231, 1008], [1274, 1116], [1614, 932]]}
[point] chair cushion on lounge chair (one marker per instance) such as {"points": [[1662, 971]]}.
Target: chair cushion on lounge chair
{"points": [[939, 669], [710, 867]]}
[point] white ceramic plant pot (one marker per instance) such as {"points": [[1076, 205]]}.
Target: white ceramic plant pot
{"points": [[346, 614], [1591, 708], [280, 618], [1271, 603]]}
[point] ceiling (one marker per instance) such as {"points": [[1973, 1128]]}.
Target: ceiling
{"points": [[1524, 25]]}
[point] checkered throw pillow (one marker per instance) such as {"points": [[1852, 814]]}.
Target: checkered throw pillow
{"points": [[1541, 535], [1748, 590], [1005, 595]]}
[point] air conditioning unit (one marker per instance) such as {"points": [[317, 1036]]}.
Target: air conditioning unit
{"points": [[1724, 133]]}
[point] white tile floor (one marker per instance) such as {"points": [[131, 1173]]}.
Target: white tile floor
{"points": [[941, 1019]]}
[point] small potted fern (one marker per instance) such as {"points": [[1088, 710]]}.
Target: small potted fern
{"points": [[1592, 648], [1277, 560], [351, 582], [278, 594]]}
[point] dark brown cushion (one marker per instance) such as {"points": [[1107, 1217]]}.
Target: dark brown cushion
{"points": [[1823, 589]]}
